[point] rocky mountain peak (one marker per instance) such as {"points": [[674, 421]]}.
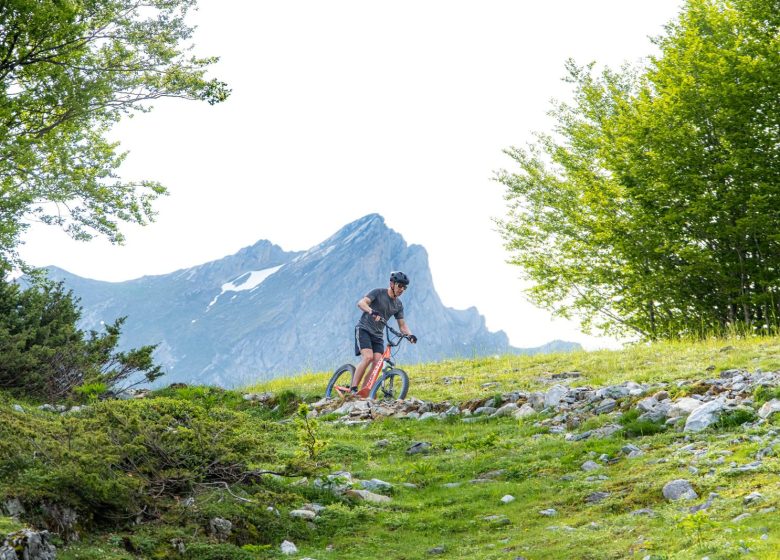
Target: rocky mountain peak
{"points": [[263, 312]]}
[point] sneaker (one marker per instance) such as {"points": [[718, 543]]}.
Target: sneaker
{"points": [[353, 390]]}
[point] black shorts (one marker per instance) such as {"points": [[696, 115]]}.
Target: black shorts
{"points": [[365, 339]]}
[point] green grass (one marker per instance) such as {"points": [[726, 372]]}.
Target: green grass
{"points": [[539, 469]]}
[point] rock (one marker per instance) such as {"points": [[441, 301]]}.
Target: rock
{"points": [[288, 548], [303, 514], [259, 397], [8, 553], [752, 498], [375, 485], [178, 545], [437, 550], [382, 443], [507, 499], [769, 408], [61, 519], [220, 528], [647, 404], [704, 416], [588, 466], [554, 395], [705, 505], [683, 407], [597, 497], [367, 496], [13, 507], [536, 400], [419, 447], [427, 415], [484, 410], [33, 545], [18, 408], [523, 411], [506, 410], [679, 489], [605, 406], [661, 396], [548, 512]]}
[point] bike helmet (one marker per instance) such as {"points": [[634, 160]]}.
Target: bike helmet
{"points": [[399, 278]]}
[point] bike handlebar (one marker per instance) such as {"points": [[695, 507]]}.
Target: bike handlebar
{"points": [[395, 332]]}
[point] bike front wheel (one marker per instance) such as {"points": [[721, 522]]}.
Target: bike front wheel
{"points": [[340, 381], [393, 385]]}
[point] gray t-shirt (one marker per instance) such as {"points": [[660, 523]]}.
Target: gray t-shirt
{"points": [[385, 305]]}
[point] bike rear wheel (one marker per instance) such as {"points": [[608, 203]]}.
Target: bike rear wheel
{"points": [[340, 381], [393, 385]]}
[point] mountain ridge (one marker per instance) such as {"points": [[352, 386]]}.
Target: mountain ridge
{"points": [[263, 312]]}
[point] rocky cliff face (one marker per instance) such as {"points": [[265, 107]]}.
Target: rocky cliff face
{"points": [[265, 312]]}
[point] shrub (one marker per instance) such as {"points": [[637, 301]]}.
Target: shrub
{"points": [[735, 418], [44, 355], [764, 394]]}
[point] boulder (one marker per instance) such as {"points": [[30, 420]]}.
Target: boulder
{"points": [[683, 407], [769, 408], [679, 489], [554, 395], [704, 416]]}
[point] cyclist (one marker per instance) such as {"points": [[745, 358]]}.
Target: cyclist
{"points": [[378, 305]]}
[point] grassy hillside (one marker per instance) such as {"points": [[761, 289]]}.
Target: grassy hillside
{"points": [[148, 478]]}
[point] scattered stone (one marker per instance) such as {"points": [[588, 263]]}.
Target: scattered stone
{"points": [[605, 406], [548, 512], [220, 528], [597, 497], [741, 516], [31, 545], [704, 416], [178, 545], [769, 408], [288, 548], [683, 407], [752, 498], [705, 505], [376, 485], [507, 499], [306, 514], [554, 395], [382, 443], [437, 550], [679, 489], [588, 466], [419, 447], [367, 496], [497, 520], [484, 411]]}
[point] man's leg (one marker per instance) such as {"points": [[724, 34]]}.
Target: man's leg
{"points": [[366, 358]]}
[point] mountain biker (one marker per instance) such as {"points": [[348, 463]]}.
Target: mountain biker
{"points": [[378, 305]]}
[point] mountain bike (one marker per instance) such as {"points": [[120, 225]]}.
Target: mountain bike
{"points": [[392, 384]]}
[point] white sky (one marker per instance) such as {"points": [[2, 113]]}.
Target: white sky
{"points": [[344, 108]]}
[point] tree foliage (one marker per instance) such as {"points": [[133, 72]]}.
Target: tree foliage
{"points": [[654, 206], [44, 355], [69, 69]]}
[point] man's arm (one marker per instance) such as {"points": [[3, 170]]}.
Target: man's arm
{"points": [[364, 305], [404, 327]]}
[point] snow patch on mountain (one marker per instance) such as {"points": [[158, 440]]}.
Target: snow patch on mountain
{"points": [[247, 281]]}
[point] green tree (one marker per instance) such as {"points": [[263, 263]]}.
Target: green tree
{"points": [[43, 354], [69, 69], [653, 207]]}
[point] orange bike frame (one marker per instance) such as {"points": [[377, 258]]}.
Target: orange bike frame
{"points": [[374, 374]]}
